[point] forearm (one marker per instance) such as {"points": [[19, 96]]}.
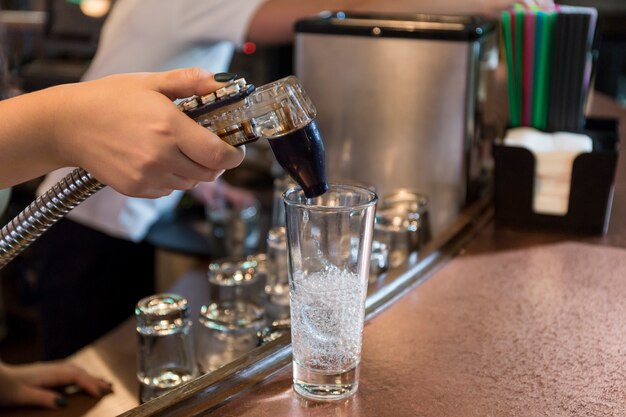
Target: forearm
{"points": [[146, 150], [273, 22], [27, 146]]}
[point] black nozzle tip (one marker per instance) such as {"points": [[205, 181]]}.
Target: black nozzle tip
{"points": [[315, 190]]}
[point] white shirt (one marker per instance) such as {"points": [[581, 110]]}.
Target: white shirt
{"points": [[156, 35]]}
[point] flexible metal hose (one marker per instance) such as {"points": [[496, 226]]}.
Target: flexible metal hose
{"points": [[46, 210]]}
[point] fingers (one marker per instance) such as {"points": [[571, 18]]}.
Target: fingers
{"points": [[34, 396], [209, 150], [146, 192], [59, 374], [184, 82], [177, 182], [188, 168], [171, 151]]}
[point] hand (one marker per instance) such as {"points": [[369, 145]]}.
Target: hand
{"points": [[126, 131], [216, 194], [24, 385]]}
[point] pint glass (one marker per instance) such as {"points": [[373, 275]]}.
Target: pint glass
{"points": [[329, 239]]}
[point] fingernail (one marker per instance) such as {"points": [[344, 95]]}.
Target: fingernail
{"points": [[222, 77], [60, 402]]}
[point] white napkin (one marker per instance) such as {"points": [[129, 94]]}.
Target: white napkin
{"points": [[554, 159]]}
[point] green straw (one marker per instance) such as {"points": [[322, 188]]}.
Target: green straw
{"points": [[540, 31], [543, 87], [519, 49], [508, 50]]}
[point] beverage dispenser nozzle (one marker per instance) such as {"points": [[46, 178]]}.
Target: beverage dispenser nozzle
{"points": [[280, 112]]}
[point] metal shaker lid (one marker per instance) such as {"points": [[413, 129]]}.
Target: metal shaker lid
{"points": [[161, 314]]}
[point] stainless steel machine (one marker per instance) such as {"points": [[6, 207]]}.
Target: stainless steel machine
{"points": [[399, 101]]}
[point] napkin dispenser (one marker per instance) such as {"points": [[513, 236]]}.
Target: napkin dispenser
{"points": [[401, 101], [590, 191]]}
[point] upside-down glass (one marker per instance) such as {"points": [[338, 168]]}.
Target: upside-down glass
{"points": [[230, 321], [329, 239], [165, 355]]}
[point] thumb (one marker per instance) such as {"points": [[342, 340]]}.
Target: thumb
{"points": [[28, 395], [184, 82]]}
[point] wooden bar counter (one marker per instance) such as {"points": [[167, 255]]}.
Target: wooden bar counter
{"points": [[521, 323]]}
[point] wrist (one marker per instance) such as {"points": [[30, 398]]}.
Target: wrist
{"points": [[60, 118], [58, 125]]}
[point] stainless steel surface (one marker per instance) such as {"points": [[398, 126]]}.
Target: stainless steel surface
{"points": [[46, 210], [399, 24], [394, 112]]}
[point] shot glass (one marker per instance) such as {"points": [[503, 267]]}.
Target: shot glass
{"points": [[229, 330], [236, 232], [230, 322], [277, 286], [281, 184], [413, 207], [165, 356], [329, 240], [234, 279], [391, 230]]}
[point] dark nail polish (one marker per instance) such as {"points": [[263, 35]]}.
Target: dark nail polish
{"points": [[60, 402], [223, 77]]}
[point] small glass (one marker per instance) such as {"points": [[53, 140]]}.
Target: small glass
{"points": [[329, 239], [229, 330], [414, 208], [402, 225], [281, 184], [379, 263], [277, 286], [237, 280], [165, 355], [230, 322], [236, 232], [391, 231]]}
